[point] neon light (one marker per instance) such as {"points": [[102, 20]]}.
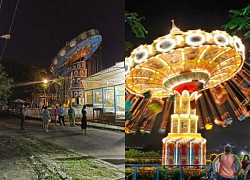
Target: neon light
{"points": [[163, 62], [195, 43], [143, 55], [164, 74], [179, 40], [221, 36], [170, 42], [203, 52]]}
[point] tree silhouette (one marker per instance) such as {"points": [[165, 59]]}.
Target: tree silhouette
{"points": [[5, 86], [136, 26], [239, 21]]}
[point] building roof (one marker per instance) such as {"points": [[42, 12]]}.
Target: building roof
{"points": [[114, 75]]}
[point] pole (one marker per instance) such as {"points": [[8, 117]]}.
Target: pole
{"points": [[44, 97], [135, 172], [181, 173], [158, 173]]}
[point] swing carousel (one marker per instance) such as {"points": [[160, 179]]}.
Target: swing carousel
{"points": [[72, 59], [200, 74]]}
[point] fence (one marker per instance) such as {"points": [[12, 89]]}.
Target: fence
{"points": [[37, 112], [158, 172]]}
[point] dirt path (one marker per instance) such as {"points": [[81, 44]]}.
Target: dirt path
{"points": [[24, 157], [14, 163]]}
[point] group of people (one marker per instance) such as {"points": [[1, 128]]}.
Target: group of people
{"points": [[59, 116], [226, 166]]}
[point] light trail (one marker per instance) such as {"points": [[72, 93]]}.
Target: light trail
{"points": [[30, 83]]}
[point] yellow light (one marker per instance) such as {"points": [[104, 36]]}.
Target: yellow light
{"points": [[221, 36], [163, 62], [209, 126], [45, 81], [170, 42], [189, 38], [178, 135], [141, 55], [148, 69], [209, 37], [179, 40], [156, 59]]}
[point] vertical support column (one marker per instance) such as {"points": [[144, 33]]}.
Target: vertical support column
{"points": [[163, 152], [181, 173], [93, 103], [135, 172], [115, 102], [78, 71], [158, 173]]}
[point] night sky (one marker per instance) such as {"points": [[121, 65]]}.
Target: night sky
{"points": [[207, 15], [42, 27]]}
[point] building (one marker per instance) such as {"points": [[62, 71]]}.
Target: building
{"points": [[79, 66]]}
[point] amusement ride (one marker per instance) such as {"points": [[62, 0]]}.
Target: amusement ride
{"points": [[72, 59], [195, 76]]}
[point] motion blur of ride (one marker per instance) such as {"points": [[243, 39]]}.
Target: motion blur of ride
{"points": [[189, 78], [212, 64]]}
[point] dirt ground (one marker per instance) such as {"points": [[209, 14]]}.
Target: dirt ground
{"points": [[28, 158]]}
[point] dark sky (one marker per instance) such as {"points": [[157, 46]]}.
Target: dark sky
{"points": [[188, 14], [42, 27]]}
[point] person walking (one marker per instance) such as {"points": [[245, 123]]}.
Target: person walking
{"points": [[84, 120], [46, 118], [56, 115], [61, 115], [227, 162], [22, 116], [71, 113]]}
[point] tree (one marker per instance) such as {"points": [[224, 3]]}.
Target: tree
{"points": [[20, 75], [136, 26], [57, 84], [5, 86], [134, 21], [37, 75], [240, 21]]}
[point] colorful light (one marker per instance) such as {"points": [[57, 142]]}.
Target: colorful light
{"points": [[179, 65]]}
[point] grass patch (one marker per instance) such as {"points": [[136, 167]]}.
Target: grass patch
{"points": [[89, 168], [48, 155]]}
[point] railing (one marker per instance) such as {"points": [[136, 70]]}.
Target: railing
{"points": [[37, 113], [157, 169]]}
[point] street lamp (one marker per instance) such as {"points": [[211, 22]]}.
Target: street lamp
{"points": [[6, 36], [45, 81]]}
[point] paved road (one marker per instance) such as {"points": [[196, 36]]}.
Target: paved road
{"points": [[105, 145]]}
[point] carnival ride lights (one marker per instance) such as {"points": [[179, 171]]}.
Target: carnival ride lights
{"points": [[181, 64], [79, 48], [72, 58]]}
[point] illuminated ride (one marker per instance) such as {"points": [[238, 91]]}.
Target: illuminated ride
{"points": [[71, 60], [180, 66]]}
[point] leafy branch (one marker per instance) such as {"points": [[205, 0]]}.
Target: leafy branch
{"points": [[240, 21], [135, 23]]}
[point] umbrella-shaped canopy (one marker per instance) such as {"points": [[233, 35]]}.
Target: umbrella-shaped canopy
{"points": [[81, 47]]}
